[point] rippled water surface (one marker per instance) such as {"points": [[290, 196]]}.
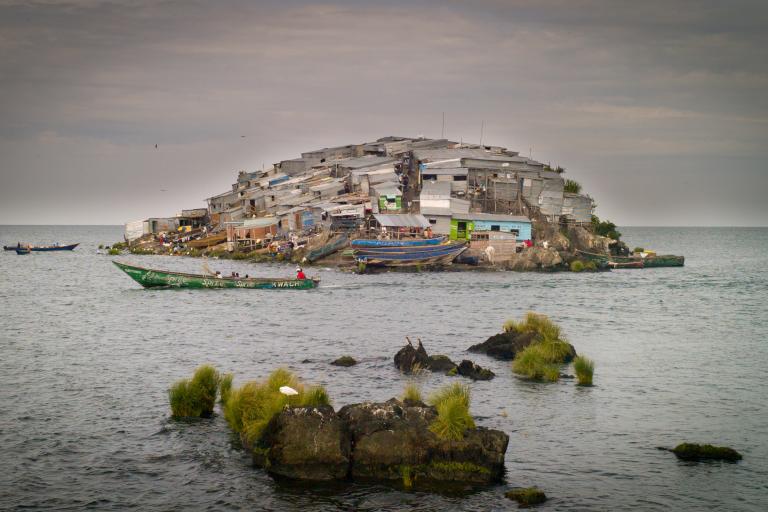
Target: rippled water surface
{"points": [[86, 357]]}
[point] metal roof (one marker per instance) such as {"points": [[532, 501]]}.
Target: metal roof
{"points": [[364, 161], [491, 217], [436, 189], [406, 220], [260, 222]]}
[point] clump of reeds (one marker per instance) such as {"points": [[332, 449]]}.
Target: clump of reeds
{"points": [[195, 397], [114, 252], [225, 387], [453, 417], [534, 363], [584, 369], [249, 408], [412, 392], [542, 358]]}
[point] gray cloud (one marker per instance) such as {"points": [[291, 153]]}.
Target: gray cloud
{"points": [[619, 93]]}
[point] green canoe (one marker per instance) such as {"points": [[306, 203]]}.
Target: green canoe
{"points": [[149, 278]]}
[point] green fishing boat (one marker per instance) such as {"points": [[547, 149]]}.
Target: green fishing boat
{"points": [[150, 278]]}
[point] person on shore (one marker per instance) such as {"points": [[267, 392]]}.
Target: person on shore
{"points": [[218, 275], [300, 274]]}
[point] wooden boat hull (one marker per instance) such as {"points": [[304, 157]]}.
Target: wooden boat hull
{"points": [[363, 242], [665, 260], [149, 278], [327, 249], [424, 249], [46, 248], [21, 250], [444, 256], [626, 264]]}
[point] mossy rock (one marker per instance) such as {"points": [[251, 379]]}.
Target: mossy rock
{"points": [[345, 361], [693, 451], [527, 496]]}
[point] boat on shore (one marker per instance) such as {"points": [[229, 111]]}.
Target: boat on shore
{"points": [[649, 261], [40, 248], [22, 250], [406, 242], [410, 256], [626, 264], [327, 249], [152, 278]]}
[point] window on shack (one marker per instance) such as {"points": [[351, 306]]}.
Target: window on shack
{"points": [[495, 227], [459, 178]]}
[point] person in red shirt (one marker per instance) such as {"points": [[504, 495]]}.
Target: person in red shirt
{"points": [[300, 273]]}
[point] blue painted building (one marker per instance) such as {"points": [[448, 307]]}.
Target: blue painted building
{"points": [[463, 224]]}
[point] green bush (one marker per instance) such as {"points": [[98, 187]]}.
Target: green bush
{"points": [[591, 266], [572, 186], [605, 228], [113, 252], [639, 249], [584, 369], [249, 408], [577, 266], [412, 392], [119, 245], [453, 417]]}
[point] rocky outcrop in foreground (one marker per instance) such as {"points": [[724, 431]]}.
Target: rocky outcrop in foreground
{"points": [[388, 441], [410, 359]]}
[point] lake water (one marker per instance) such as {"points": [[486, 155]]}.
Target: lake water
{"points": [[87, 358]]}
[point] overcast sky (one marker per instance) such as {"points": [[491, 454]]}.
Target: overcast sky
{"points": [[660, 109]]}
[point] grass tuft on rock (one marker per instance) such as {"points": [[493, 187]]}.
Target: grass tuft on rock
{"points": [[205, 382], [225, 387], [184, 402], [195, 397], [584, 369], [577, 266], [114, 252], [534, 363], [249, 408], [453, 417], [541, 359], [527, 496], [693, 451], [412, 392]]}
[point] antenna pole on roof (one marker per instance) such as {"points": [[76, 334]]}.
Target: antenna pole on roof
{"points": [[442, 131], [482, 125]]}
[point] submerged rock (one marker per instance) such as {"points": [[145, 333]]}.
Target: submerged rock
{"points": [[474, 371], [527, 496], [693, 451], [307, 443], [345, 361], [503, 346], [441, 363]]}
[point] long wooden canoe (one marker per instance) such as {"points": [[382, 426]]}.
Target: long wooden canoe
{"points": [[41, 248], [150, 278], [405, 242]]}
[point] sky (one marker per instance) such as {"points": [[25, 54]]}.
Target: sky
{"points": [[658, 108]]}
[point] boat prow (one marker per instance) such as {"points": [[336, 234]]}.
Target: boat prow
{"points": [[151, 278]]}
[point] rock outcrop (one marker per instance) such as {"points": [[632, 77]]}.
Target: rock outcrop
{"points": [[410, 359], [389, 441], [306, 443], [345, 361], [535, 258], [474, 371], [393, 438], [503, 346]]}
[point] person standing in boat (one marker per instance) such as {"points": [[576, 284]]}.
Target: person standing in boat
{"points": [[300, 274]]}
